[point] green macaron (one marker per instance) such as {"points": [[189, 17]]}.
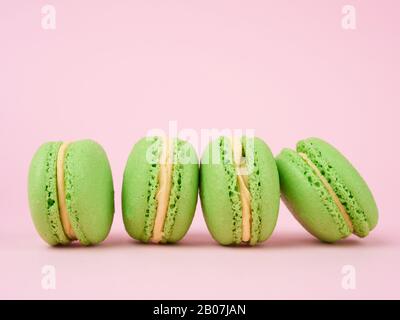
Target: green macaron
{"points": [[325, 192], [70, 191], [239, 190], [160, 189]]}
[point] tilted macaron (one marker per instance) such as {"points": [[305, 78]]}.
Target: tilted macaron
{"points": [[160, 189], [71, 194], [239, 190], [324, 191]]}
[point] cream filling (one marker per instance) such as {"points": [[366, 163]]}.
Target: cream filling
{"points": [[62, 205], [164, 190], [328, 187], [245, 196]]}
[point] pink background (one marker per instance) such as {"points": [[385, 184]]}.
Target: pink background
{"points": [[112, 70]]}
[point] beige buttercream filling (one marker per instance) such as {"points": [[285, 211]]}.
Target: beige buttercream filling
{"points": [[66, 224], [328, 187], [245, 196], [164, 190]]}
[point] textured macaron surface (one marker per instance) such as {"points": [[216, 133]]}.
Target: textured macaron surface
{"points": [[89, 191], [313, 204], [220, 194], [42, 194], [141, 185]]}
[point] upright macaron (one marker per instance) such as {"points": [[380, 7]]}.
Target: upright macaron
{"points": [[160, 189], [70, 191], [239, 190], [325, 192]]}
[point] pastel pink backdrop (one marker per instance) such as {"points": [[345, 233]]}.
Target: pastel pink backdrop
{"points": [[112, 70]]}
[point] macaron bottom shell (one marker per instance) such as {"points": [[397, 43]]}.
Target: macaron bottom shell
{"points": [[42, 194]]}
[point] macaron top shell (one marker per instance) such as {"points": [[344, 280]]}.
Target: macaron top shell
{"points": [[141, 184], [220, 194], [315, 205], [184, 192], [88, 189], [268, 197]]}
